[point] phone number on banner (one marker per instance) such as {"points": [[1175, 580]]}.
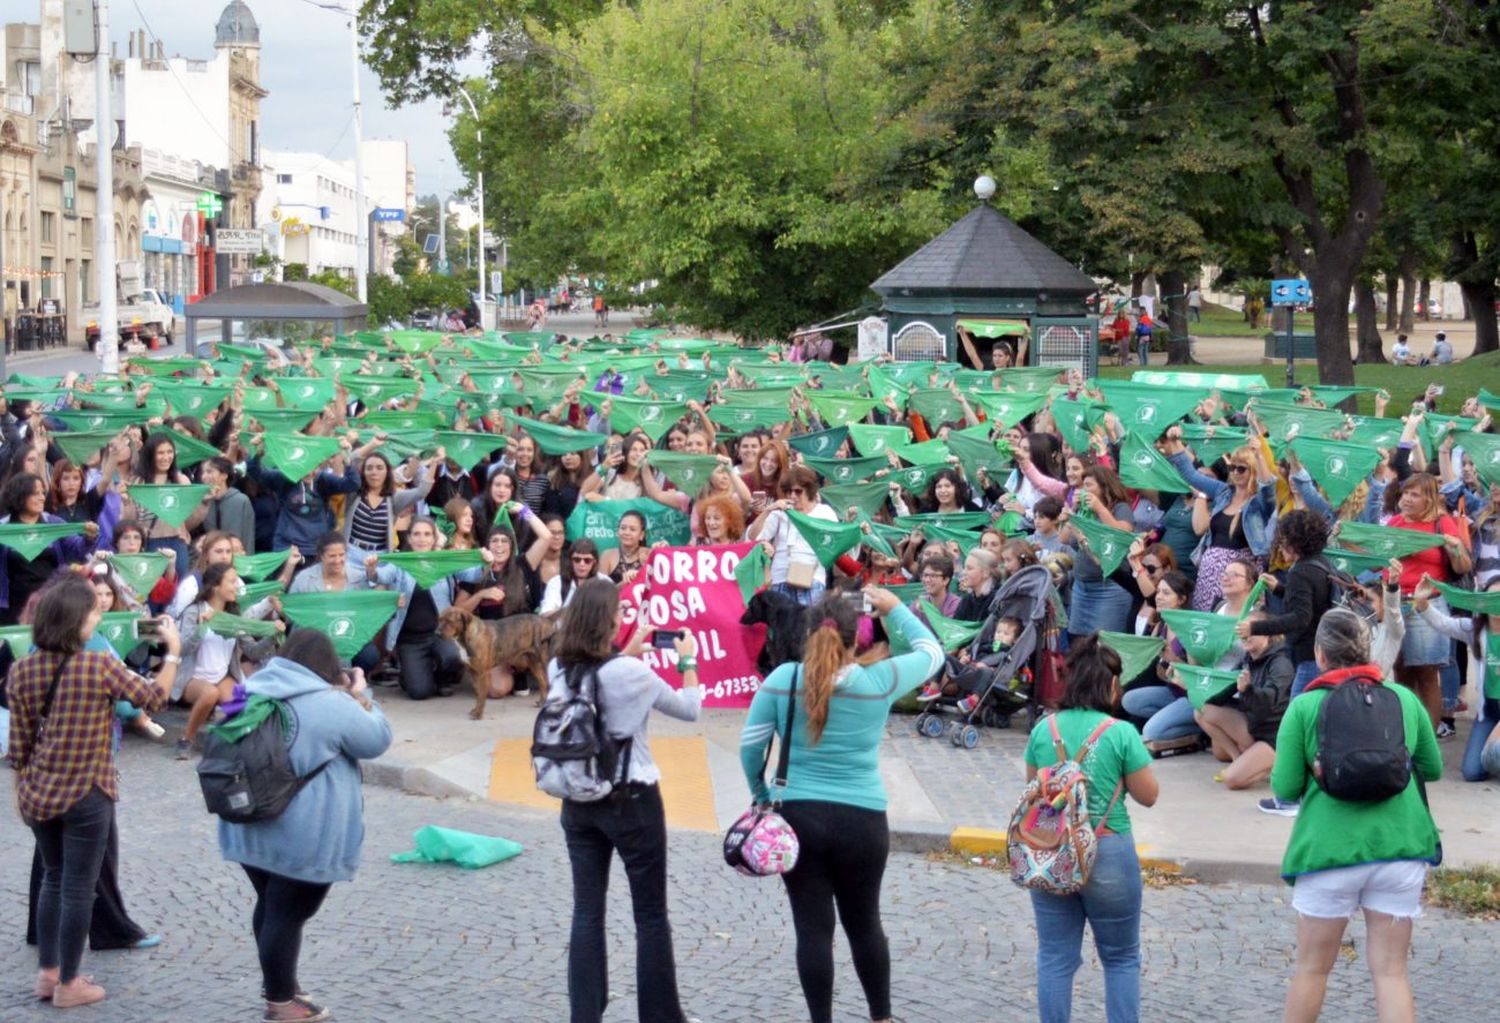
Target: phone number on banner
{"points": [[726, 687]]}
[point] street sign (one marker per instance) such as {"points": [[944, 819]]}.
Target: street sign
{"points": [[430, 245], [490, 241], [1292, 291], [497, 282], [209, 204], [239, 242], [385, 214], [443, 266]]}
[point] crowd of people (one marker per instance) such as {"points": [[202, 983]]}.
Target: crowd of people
{"points": [[1194, 534]]}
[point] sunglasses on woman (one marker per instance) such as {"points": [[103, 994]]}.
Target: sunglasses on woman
{"points": [[1237, 469]]}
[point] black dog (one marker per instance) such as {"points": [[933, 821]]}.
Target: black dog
{"points": [[786, 628]]}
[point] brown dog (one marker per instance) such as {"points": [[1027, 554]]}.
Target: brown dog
{"points": [[520, 642]]}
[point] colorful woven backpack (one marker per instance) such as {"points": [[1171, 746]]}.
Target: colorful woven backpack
{"points": [[1051, 845]]}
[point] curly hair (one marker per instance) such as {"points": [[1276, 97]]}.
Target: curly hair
{"points": [[729, 508], [1302, 532]]}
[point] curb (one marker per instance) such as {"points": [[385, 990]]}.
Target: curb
{"points": [[391, 773]]}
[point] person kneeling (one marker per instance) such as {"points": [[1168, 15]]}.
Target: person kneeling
{"points": [[1243, 731]]}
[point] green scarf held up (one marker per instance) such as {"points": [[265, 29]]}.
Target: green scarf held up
{"points": [[553, 439], [119, 630], [1030, 379], [751, 573], [828, 540], [403, 419], [1205, 636], [875, 440], [1211, 442], [30, 540], [192, 397], [1336, 466], [914, 478], [1484, 448], [1147, 409], [867, 498], [429, 568], [841, 409], [966, 539], [173, 503], [296, 455], [937, 405], [689, 473], [1137, 653], [951, 633], [649, 416], [742, 419], [141, 571], [350, 618], [81, 446], [1107, 544], [84, 421], [1485, 603], [598, 520], [234, 626], [191, 450], [929, 452], [1386, 541], [310, 393], [976, 450], [253, 593], [1076, 420], [1279, 418], [467, 449], [822, 443], [1144, 468], [845, 470], [259, 566], [1010, 408], [1204, 685], [281, 420], [1354, 562]]}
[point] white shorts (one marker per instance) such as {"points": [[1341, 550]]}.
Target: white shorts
{"points": [[1393, 888]]}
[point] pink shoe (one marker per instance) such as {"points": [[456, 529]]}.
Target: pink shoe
{"points": [[929, 693], [967, 704], [78, 991], [46, 982]]}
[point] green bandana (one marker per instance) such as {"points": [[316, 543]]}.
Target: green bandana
{"points": [[914, 478], [374, 390], [649, 416], [18, 637], [976, 450], [1030, 379], [1137, 653], [1377, 433], [191, 450], [253, 593], [234, 626], [431, 567], [1278, 419], [938, 405], [1204, 685], [466, 448], [951, 634], [1386, 541], [259, 566], [1107, 544], [261, 399], [874, 440], [1486, 603], [822, 444], [350, 618], [929, 452], [282, 421], [689, 473], [743, 419], [1336, 466], [1213, 442], [1484, 448], [883, 385], [1354, 562], [841, 409], [119, 630], [596, 521], [416, 342], [417, 419], [108, 422], [965, 538], [827, 539], [296, 455], [845, 470], [310, 393], [30, 541], [867, 498], [170, 502], [1144, 468], [80, 447], [192, 398], [950, 520], [752, 572], [1010, 407], [553, 439], [1146, 408], [1076, 419], [1205, 636], [141, 571]]}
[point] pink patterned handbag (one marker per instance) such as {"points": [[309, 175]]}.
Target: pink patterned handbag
{"points": [[761, 843]]}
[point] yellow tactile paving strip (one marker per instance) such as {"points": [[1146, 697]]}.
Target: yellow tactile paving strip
{"points": [[687, 790]]}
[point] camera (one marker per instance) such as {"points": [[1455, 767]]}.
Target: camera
{"points": [[663, 639]]}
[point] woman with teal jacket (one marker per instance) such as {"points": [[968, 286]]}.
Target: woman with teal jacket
{"points": [[834, 799], [1345, 856]]}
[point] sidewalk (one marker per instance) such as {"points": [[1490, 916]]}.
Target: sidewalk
{"points": [[940, 795]]}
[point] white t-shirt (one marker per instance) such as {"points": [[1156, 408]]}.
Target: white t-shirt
{"points": [[215, 653], [1402, 351], [790, 545]]}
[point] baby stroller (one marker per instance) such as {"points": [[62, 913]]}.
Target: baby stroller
{"points": [[1025, 596]]}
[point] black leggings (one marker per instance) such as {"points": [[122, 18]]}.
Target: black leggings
{"points": [[72, 847], [841, 862], [282, 907]]}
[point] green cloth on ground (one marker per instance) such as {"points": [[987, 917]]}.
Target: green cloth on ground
{"points": [[468, 850]]}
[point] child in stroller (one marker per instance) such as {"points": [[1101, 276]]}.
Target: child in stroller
{"points": [[992, 679]]}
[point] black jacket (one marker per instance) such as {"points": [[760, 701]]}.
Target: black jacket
{"points": [[1307, 595], [1270, 691]]}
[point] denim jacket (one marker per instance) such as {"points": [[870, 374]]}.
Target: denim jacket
{"points": [[389, 576], [1258, 516]]}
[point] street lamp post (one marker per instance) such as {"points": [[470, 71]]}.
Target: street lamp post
{"points": [[479, 158]]}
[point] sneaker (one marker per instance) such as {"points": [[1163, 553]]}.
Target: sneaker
{"points": [[1278, 808], [184, 748], [967, 704], [1445, 731], [152, 730], [929, 693]]}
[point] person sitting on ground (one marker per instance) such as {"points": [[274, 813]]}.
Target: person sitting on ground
{"points": [[1401, 353], [1243, 727], [1442, 349]]}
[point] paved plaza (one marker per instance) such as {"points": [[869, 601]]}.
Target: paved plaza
{"points": [[408, 942]]}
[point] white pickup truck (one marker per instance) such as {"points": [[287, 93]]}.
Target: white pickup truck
{"points": [[142, 315]]}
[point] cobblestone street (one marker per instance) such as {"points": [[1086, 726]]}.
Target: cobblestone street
{"points": [[438, 943]]}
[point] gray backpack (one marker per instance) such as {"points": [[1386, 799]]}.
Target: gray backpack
{"points": [[572, 752]]}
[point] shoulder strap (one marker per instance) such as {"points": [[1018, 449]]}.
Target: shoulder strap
{"points": [[778, 784], [62, 662], [1057, 743], [1093, 739]]}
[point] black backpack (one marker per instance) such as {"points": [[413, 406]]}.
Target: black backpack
{"points": [[572, 752], [1362, 755], [251, 779]]}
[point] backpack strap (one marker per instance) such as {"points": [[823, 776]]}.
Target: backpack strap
{"points": [[1057, 743], [778, 784], [1093, 739]]}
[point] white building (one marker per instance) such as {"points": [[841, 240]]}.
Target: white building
{"points": [[390, 184], [308, 211]]}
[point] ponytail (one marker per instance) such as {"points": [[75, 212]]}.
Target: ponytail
{"points": [[831, 627]]}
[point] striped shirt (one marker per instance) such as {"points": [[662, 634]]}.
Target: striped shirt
{"points": [[370, 528], [59, 761]]}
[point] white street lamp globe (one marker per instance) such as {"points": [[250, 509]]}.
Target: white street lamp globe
{"points": [[984, 187]]}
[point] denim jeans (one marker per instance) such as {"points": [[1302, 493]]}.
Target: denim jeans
{"points": [[807, 597], [72, 847], [1307, 671], [635, 825], [1489, 717], [1111, 903], [1452, 682], [1168, 716]]}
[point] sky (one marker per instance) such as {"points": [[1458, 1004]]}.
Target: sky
{"points": [[304, 63]]}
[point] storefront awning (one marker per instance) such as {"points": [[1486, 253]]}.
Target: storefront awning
{"points": [[996, 328]]}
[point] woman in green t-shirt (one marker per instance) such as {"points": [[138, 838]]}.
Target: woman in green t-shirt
{"points": [[1111, 901]]}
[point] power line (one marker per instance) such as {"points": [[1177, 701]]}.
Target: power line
{"points": [[229, 146]]}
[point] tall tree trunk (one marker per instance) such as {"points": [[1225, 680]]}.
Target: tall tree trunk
{"points": [[1480, 297], [1179, 348], [1424, 298], [1407, 268], [1392, 298], [1330, 288], [1367, 319], [1475, 273]]}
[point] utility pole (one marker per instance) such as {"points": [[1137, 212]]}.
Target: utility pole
{"points": [[104, 201], [479, 164], [442, 213], [5, 327], [361, 228]]}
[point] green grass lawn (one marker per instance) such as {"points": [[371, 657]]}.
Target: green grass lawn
{"points": [[1222, 321], [1405, 383]]}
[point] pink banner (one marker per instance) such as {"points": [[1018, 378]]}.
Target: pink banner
{"points": [[694, 588]]}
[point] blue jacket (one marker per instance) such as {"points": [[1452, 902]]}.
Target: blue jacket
{"points": [[391, 577], [1258, 516], [305, 515], [319, 837]]}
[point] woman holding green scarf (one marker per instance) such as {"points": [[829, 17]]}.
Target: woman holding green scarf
{"points": [[1481, 755]]}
